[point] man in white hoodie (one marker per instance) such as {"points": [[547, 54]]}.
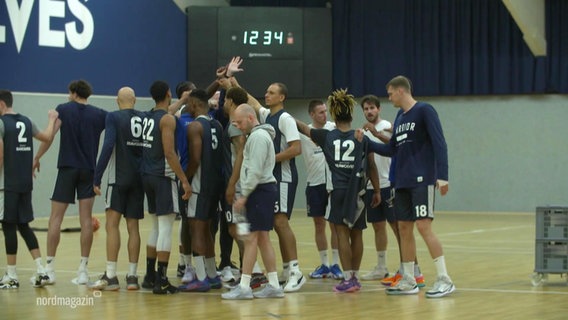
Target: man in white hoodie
{"points": [[259, 196]]}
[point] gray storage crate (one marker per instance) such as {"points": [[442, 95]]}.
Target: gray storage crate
{"points": [[551, 245], [552, 223]]}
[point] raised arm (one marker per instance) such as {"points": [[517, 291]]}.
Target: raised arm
{"points": [[47, 134]]}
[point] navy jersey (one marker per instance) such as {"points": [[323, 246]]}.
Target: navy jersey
{"points": [[17, 136], [208, 177], [153, 158], [284, 171], [347, 161], [81, 128], [122, 146], [419, 146]]}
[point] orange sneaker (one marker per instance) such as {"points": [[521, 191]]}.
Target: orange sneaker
{"points": [[420, 281], [390, 281]]}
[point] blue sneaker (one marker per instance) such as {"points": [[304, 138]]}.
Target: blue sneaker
{"points": [[336, 272], [215, 283], [321, 272], [195, 286]]}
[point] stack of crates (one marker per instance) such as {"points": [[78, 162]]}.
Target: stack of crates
{"points": [[551, 247]]}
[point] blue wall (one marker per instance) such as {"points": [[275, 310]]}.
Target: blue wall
{"points": [[108, 43]]}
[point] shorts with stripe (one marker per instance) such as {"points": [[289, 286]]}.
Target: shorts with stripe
{"points": [[317, 199], [161, 194], [336, 214], [126, 200], [203, 206], [413, 204], [16, 207], [385, 209], [261, 205], [229, 212], [287, 195], [71, 181]]}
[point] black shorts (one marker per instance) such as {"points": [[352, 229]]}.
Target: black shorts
{"points": [[203, 207], [414, 204], [317, 200], [16, 207], [229, 214], [161, 194], [71, 181], [261, 206], [336, 214], [126, 200], [385, 210]]}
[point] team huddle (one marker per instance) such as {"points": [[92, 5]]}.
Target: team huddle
{"points": [[234, 163]]}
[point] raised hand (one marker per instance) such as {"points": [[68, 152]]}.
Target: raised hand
{"points": [[233, 66]]}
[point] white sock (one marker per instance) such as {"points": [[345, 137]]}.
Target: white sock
{"points": [[245, 280], [294, 265], [256, 268], [286, 269], [347, 274], [181, 261], [334, 257], [323, 258], [132, 268], [382, 259], [187, 259], [210, 267], [417, 271], [440, 264], [83, 264], [49, 263], [273, 279], [200, 268], [11, 270], [111, 269], [408, 268], [39, 266]]}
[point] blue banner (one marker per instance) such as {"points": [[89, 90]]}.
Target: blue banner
{"points": [[44, 44]]}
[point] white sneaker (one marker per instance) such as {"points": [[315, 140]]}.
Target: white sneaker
{"points": [[378, 273], [51, 276], [39, 280], [442, 287], [82, 277], [269, 292], [283, 276], [227, 274], [8, 282], [189, 274], [406, 285], [238, 293], [295, 281]]}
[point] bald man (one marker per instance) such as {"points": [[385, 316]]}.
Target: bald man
{"points": [[125, 195], [259, 198]]}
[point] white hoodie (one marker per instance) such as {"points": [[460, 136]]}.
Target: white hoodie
{"points": [[258, 159]]}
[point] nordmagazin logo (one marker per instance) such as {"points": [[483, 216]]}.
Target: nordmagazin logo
{"points": [[19, 12]]}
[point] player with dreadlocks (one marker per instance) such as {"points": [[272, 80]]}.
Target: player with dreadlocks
{"points": [[350, 166]]}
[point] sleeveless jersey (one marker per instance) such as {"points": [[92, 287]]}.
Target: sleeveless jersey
{"points": [[18, 153], [284, 171], [208, 178], [153, 159]]}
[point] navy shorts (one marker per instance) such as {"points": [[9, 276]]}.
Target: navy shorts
{"points": [[336, 214], [126, 200], [317, 200], [414, 204], [203, 207], [16, 207], [71, 181], [385, 210], [261, 206], [161, 194], [287, 194]]}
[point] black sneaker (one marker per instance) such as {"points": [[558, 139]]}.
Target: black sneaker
{"points": [[180, 270], [148, 282], [105, 283], [257, 280], [132, 283], [163, 286]]}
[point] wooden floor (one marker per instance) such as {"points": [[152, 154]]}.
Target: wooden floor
{"points": [[490, 257]]}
